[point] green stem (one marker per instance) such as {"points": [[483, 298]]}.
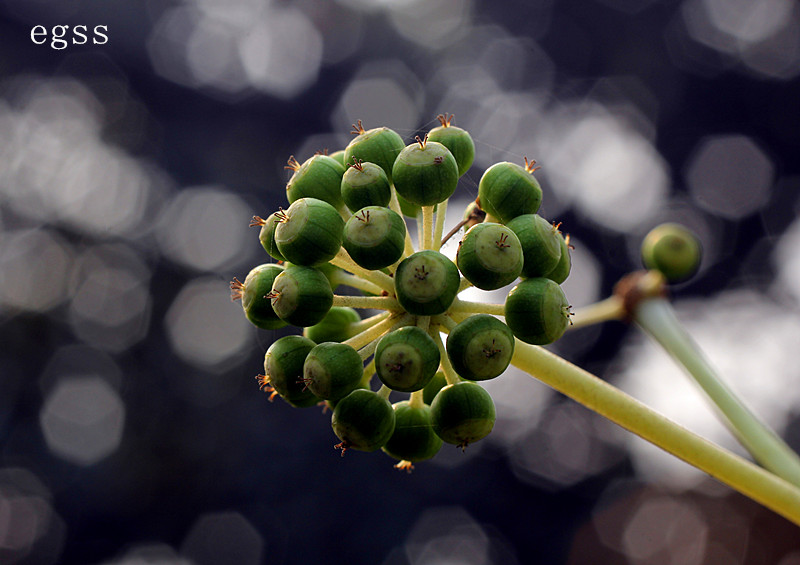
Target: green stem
{"points": [[376, 331], [657, 317], [459, 305], [376, 302], [384, 392], [427, 228], [394, 204], [441, 211], [749, 479], [366, 323], [612, 308], [347, 279], [344, 261], [417, 399], [450, 374]]}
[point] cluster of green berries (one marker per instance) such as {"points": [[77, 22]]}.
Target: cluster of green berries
{"points": [[345, 225]]}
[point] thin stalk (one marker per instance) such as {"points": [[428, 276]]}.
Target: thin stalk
{"points": [[762, 486], [417, 399], [441, 212], [347, 279], [450, 374], [344, 261], [376, 331], [612, 308], [459, 305], [384, 392], [427, 228], [376, 302], [657, 317], [394, 204], [366, 323], [464, 284]]}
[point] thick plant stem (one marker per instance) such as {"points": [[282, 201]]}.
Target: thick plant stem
{"points": [[657, 317], [762, 486]]}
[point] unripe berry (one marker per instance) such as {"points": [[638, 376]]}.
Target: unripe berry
{"points": [[673, 250], [406, 359], [332, 370], [267, 234], [425, 173], [365, 184], [363, 421], [541, 244], [335, 326], [507, 190], [374, 237], [283, 370], [537, 311], [480, 347], [561, 271], [253, 294], [462, 413], [413, 438], [457, 140], [426, 283], [301, 296], [309, 232], [318, 177], [378, 145], [490, 256]]}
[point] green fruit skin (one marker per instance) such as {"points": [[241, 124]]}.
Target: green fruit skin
{"points": [[413, 438], [408, 209], [267, 237], [462, 413], [490, 256], [257, 307], [374, 237], [561, 271], [433, 387], [434, 293], [378, 145], [318, 177], [480, 347], [368, 186], [507, 190], [672, 249], [304, 296], [338, 156], [541, 244], [333, 370], [336, 326], [283, 365], [425, 175], [412, 348], [311, 234], [537, 311], [459, 142], [363, 420]]}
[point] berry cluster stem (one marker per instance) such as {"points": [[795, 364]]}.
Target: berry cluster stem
{"points": [[611, 308], [394, 205], [376, 302], [759, 484], [344, 261], [347, 279], [657, 317], [450, 374], [427, 228], [477, 307], [364, 338], [438, 229]]}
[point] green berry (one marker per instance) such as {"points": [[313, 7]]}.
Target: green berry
{"points": [[507, 190], [365, 184], [426, 283], [267, 234], [333, 370], [379, 145], [253, 293], [374, 237], [490, 256], [480, 347], [673, 250], [408, 209], [457, 140], [406, 359], [561, 271], [318, 177], [425, 173], [283, 370], [309, 232], [537, 311], [541, 244], [433, 387], [301, 296], [363, 420], [338, 156], [413, 438], [335, 326], [462, 413]]}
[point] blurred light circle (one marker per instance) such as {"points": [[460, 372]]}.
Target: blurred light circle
{"points": [[378, 101], [666, 526], [205, 328], [205, 228], [225, 537], [786, 259], [82, 419], [730, 176], [432, 23]]}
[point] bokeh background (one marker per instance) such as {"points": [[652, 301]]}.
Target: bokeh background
{"points": [[131, 428]]}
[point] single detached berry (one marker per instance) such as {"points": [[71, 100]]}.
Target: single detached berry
{"points": [[426, 283], [363, 420], [365, 184], [541, 244], [413, 438], [672, 249], [537, 311], [490, 256], [507, 190], [480, 347], [457, 140], [406, 359], [425, 173], [378, 145], [332, 370], [335, 326], [283, 370], [318, 177], [374, 237], [309, 232], [462, 413], [301, 296], [253, 294]]}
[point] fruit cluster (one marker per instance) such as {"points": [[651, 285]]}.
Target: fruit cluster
{"points": [[345, 226]]}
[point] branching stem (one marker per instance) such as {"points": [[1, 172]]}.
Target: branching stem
{"points": [[459, 305]]}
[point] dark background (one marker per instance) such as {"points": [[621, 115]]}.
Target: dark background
{"points": [[131, 430]]}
